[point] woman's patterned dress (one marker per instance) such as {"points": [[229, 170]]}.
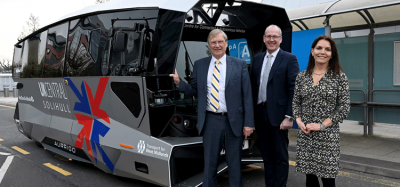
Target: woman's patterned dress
{"points": [[318, 152]]}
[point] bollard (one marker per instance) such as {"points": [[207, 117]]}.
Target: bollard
{"points": [[15, 91], [6, 91]]}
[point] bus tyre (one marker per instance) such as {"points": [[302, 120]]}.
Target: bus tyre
{"points": [[38, 144]]}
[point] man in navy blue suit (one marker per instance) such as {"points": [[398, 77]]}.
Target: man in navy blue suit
{"points": [[225, 107], [273, 78]]}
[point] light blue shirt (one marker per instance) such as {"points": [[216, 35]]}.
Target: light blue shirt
{"points": [[275, 53], [221, 90]]}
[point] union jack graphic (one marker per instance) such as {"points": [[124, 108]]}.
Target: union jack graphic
{"points": [[92, 128]]}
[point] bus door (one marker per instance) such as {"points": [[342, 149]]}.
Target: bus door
{"points": [[126, 59]]}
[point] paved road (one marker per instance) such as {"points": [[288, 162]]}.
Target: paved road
{"points": [[38, 168]]}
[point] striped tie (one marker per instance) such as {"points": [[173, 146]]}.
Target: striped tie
{"points": [[214, 100]]}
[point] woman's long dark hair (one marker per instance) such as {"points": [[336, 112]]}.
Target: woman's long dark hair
{"points": [[334, 63]]}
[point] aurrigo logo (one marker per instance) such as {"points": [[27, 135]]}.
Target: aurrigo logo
{"points": [[141, 146]]}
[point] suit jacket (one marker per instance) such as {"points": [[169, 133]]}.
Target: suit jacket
{"points": [[237, 93], [280, 86]]}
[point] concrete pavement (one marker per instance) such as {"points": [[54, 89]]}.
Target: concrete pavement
{"points": [[10, 101], [377, 154]]}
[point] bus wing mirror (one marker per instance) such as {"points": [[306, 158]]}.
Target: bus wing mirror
{"points": [[19, 85], [120, 40]]}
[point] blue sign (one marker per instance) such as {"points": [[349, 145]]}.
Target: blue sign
{"points": [[301, 44], [238, 48]]}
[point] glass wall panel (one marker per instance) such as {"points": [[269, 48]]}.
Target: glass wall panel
{"points": [[383, 78], [353, 56]]}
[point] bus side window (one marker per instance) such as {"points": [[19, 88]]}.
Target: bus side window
{"points": [[17, 61], [55, 51], [121, 61], [30, 61], [87, 47]]}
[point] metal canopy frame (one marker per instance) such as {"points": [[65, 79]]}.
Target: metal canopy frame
{"points": [[375, 11], [346, 15]]}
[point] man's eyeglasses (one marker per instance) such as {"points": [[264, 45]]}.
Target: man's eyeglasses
{"points": [[272, 37], [217, 42]]}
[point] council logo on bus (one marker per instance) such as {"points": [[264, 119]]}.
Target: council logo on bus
{"points": [[141, 146]]}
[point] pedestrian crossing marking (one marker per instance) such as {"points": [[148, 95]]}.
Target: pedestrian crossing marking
{"points": [[5, 154], [20, 150], [58, 169], [5, 167]]}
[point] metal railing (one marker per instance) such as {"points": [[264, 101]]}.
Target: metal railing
{"points": [[368, 124], [364, 105], [382, 104]]}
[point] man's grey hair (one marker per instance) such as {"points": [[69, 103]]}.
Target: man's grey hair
{"points": [[280, 31], [215, 32]]}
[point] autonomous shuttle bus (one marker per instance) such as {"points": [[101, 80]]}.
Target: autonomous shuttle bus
{"points": [[94, 86]]}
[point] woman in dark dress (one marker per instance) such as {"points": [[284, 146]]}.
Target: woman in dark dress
{"points": [[321, 101]]}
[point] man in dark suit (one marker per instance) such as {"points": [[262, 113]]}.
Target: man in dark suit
{"points": [[273, 78], [225, 107]]}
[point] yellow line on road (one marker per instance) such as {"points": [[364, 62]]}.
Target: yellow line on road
{"points": [[247, 169], [59, 170], [1, 140], [20, 150], [381, 182], [250, 168], [7, 106]]}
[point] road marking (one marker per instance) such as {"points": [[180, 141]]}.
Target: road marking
{"points": [[59, 170], [7, 106], [62, 158], [5, 166], [1, 140], [363, 178], [20, 150], [5, 154], [250, 168], [369, 179], [247, 169]]}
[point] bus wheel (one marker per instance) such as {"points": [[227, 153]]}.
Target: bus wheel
{"points": [[38, 144]]}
